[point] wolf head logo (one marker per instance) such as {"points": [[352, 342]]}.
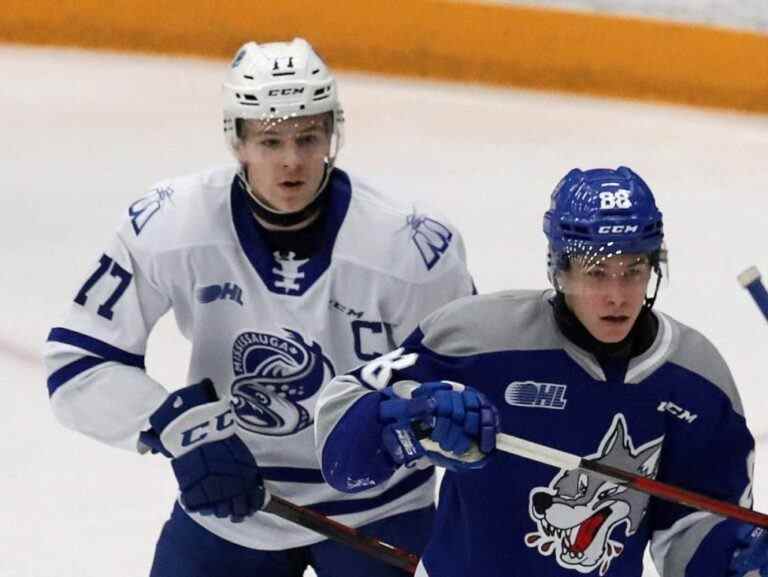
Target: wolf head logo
{"points": [[577, 515]]}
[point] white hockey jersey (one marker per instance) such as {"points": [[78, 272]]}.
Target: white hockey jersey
{"points": [[269, 329]]}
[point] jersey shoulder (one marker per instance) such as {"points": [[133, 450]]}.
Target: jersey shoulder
{"points": [[181, 212], [410, 242], [694, 352], [513, 320]]}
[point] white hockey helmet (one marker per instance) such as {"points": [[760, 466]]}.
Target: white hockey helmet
{"points": [[279, 80]]}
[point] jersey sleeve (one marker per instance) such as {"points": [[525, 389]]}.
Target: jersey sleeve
{"points": [[347, 428], [95, 358], [712, 454]]}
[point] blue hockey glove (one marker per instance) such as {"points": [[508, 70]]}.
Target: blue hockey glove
{"points": [[751, 556], [453, 425], [216, 472]]}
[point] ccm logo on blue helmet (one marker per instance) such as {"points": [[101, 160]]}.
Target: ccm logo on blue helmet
{"points": [[200, 432], [618, 229]]}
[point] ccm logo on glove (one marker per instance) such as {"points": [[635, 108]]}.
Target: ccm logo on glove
{"points": [[202, 430]]}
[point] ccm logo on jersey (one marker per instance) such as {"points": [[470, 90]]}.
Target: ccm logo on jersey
{"points": [[677, 411], [226, 291], [536, 395], [618, 229]]}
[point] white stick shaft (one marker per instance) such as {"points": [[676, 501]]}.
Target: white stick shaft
{"points": [[536, 452]]}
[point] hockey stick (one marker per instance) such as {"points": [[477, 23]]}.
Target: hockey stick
{"points": [[341, 533], [750, 280], [671, 493]]}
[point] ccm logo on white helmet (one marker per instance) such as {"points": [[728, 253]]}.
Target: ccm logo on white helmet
{"points": [[285, 91], [618, 229]]}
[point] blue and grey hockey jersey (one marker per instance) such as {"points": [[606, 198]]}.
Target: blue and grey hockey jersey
{"points": [[675, 416]]}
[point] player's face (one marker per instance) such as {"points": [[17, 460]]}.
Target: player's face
{"points": [[285, 159], [607, 296]]}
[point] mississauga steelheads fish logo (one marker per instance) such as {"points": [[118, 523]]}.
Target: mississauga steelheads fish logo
{"points": [[579, 515], [274, 374]]}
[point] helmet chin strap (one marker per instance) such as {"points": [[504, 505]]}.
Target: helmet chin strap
{"points": [[281, 218], [650, 300]]}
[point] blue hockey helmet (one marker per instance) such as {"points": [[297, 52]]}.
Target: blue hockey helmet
{"points": [[603, 210], [599, 213]]}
